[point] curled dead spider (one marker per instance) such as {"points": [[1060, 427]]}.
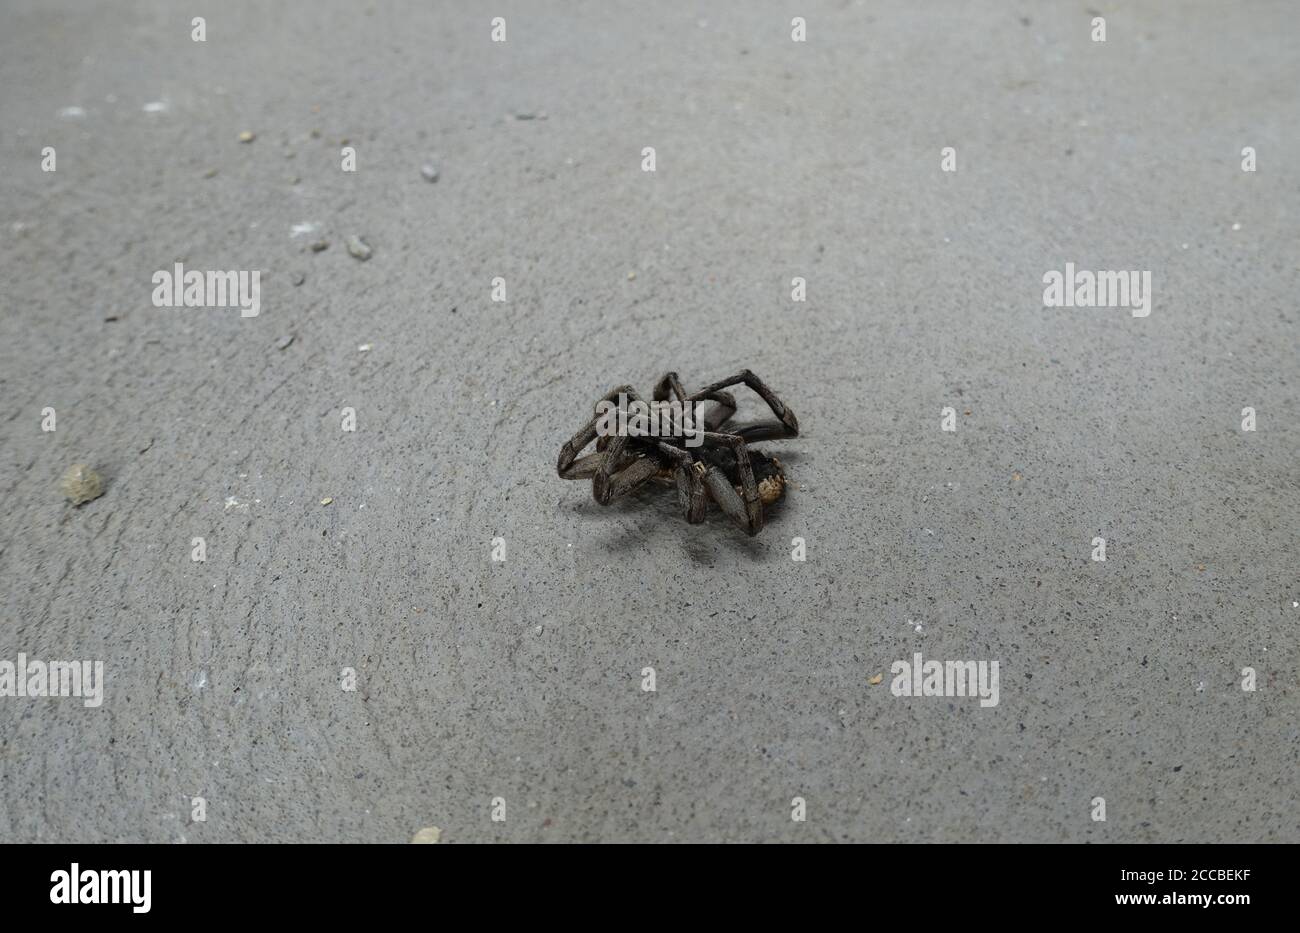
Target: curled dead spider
{"points": [[719, 466]]}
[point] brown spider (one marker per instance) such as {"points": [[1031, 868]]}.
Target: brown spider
{"points": [[722, 467]]}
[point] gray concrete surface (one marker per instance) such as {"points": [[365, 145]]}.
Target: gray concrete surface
{"points": [[775, 159]]}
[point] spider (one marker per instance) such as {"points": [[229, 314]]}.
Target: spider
{"points": [[722, 468]]}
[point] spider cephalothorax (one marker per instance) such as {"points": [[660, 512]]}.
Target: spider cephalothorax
{"points": [[712, 462]]}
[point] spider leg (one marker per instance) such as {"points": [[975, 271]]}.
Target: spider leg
{"points": [[717, 416], [746, 509], [612, 479], [669, 381], [689, 475], [570, 465], [721, 412], [609, 484], [789, 423]]}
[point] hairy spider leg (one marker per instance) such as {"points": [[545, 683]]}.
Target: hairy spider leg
{"points": [[689, 474], [612, 480], [746, 509], [618, 484], [716, 417], [789, 424], [667, 382], [570, 465]]}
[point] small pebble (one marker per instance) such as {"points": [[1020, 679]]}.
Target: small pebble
{"points": [[875, 681], [429, 172], [320, 246], [327, 500], [358, 249], [364, 348], [247, 136], [298, 278], [427, 836], [284, 342], [210, 173], [80, 484]]}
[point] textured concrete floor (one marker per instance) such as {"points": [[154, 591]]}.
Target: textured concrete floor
{"points": [[522, 680]]}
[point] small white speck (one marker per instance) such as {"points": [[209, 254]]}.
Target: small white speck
{"points": [[72, 113], [364, 348], [538, 630], [155, 106], [300, 229], [1236, 226]]}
